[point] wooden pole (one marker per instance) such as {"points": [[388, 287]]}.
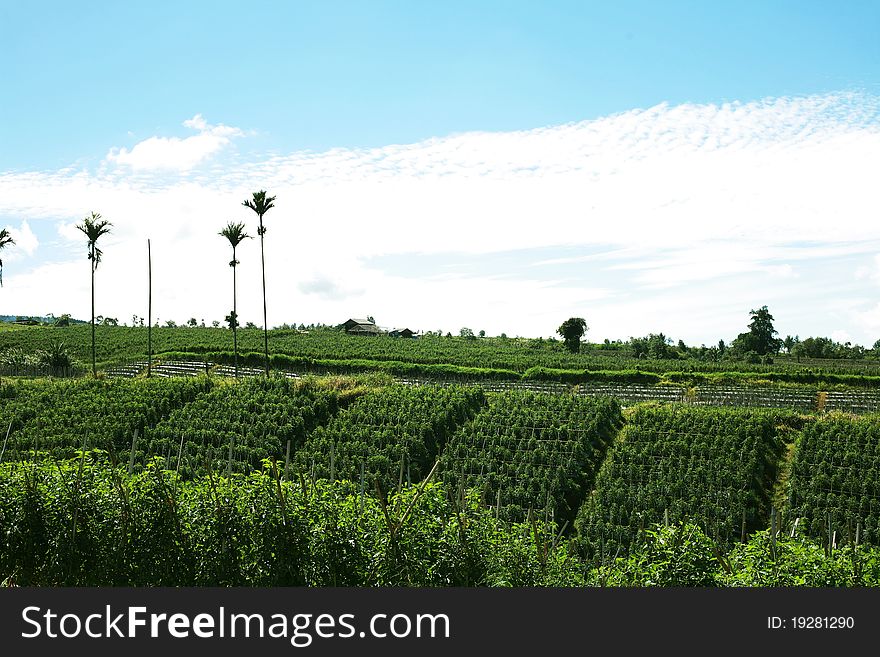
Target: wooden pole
{"points": [[773, 532], [332, 460], [361, 495], [3, 451], [149, 310], [134, 440]]}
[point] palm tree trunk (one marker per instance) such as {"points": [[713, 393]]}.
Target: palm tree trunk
{"points": [[94, 366], [265, 323], [234, 315]]}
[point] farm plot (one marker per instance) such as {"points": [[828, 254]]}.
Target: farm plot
{"points": [[712, 466], [797, 399], [530, 451], [633, 393], [835, 483], [60, 417], [627, 393], [236, 425], [127, 370], [389, 436], [853, 401]]}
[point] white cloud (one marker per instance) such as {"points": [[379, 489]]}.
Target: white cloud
{"points": [[870, 272], [842, 336], [175, 153], [26, 242], [678, 209]]}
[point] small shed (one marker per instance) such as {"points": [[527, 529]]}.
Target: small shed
{"points": [[351, 323], [401, 333]]}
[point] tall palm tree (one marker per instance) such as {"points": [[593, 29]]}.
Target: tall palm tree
{"points": [[235, 233], [261, 205], [5, 240], [93, 227]]}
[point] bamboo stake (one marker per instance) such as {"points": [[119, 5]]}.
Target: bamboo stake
{"points": [[3, 451], [361, 490], [134, 439], [773, 532], [177, 469], [333, 461], [280, 492]]}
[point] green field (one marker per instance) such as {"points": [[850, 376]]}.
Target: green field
{"points": [[120, 344], [246, 471]]}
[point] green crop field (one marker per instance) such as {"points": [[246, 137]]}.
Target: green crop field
{"points": [[388, 473], [121, 344]]}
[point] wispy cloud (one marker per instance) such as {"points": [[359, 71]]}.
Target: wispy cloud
{"points": [[671, 206]]}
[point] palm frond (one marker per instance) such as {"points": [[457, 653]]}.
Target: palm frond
{"points": [[235, 233], [5, 238], [260, 204], [93, 227]]}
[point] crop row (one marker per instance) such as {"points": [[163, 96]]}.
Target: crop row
{"points": [[524, 452], [677, 462]]}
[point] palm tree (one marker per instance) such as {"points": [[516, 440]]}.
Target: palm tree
{"points": [[261, 205], [5, 240], [234, 232], [93, 227]]}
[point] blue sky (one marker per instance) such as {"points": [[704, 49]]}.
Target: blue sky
{"points": [[498, 165]]}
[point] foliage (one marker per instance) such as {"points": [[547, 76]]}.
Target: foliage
{"points": [[798, 561], [237, 426], [760, 337], [835, 483], [388, 436], [516, 355], [655, 345], [572, 330], [84, 523], [676, 462], [532, 452], [675, 555], [58, 417]]}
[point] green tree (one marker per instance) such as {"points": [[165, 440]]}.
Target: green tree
{"points": [[761, 335], [467, 333], [261, 204], [235, 233], [5, 240], [56, 357], [572, 330], [93, 227]]}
